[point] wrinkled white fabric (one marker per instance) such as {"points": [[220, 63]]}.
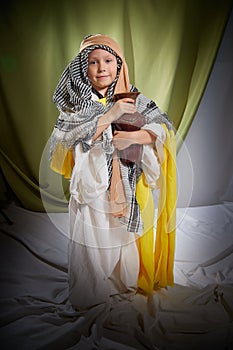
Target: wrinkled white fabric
{"points": [[195, 314], [152, 155], [90, 174], [103, 256]]}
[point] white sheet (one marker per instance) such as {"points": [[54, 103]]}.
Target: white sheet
{"points": [[195, 314]]}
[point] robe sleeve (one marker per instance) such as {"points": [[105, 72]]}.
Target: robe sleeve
{"points": [[153, 154]]}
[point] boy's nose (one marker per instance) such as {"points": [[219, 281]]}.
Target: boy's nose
{"points": [[101, 68]]}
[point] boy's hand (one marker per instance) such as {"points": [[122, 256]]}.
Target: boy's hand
{"points": [[123, 139], [123, 106]]}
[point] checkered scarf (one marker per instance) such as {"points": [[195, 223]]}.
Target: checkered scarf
{"points": [[73, 97]]}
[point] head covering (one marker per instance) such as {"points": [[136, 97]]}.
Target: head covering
{"points": [[122, 84], [74, 89]]}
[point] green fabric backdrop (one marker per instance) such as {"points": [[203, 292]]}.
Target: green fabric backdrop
{"points": [[169, 45]]}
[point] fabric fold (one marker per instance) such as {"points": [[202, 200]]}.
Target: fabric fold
{"points": [[118, 202], [157, 262], [166, 220]]}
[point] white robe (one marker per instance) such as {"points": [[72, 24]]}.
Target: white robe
{"points": [[103, 255]]}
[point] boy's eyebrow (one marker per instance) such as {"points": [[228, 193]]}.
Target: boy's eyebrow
{"points": [[96, 57]]}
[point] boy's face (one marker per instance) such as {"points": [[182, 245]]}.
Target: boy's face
{"points": [[102, 69]]}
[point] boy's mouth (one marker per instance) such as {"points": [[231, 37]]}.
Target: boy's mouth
{"points": [[102, 76]]}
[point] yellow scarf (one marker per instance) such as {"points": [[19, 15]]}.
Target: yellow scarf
{"points": [[156, 265]]}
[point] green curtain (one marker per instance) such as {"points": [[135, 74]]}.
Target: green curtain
{"points": [[169, 45]]}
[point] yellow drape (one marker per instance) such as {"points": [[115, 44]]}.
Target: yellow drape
{"points": [[62, 161], [156, 265], [166, 221]]}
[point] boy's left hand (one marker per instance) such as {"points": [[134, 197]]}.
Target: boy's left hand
{"points": [[123, 139]]}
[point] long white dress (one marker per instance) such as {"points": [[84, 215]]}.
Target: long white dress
{"points": [[103, 255]]}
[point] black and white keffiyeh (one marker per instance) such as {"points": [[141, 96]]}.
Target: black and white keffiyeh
{"points": [[73, 97], [74, 90]]}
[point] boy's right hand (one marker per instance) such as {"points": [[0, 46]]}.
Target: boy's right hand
{"points": [[123, 106]]}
